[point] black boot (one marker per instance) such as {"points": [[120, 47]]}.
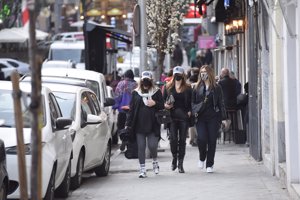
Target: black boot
{"points": [[180, 166], [174, 163]]}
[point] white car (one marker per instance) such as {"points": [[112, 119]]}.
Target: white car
{"points": [[56, 140], [113, 117], [90, 131], [22, 67], [58, 64], [94, 80]]}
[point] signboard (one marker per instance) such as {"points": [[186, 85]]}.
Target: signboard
{"points": [[206, 42]]}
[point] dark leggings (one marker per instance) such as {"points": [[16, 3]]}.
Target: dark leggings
{"points": [[178, 133], [207, 132], [152, 145]]}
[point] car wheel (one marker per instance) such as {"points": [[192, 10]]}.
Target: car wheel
{"points": [[3, 191], [64, 188], [51, 186], [103, 169], [76, 180]]}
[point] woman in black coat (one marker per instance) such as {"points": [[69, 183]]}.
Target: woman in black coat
{"points": [[209, 117], [146, 101], [180, 114]]}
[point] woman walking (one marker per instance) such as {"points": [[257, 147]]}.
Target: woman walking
{"points": [[209, 117], [146, 101], [180, 108]]}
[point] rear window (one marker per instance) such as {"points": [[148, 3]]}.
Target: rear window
{"points": [[7, 117], [76, 55]]}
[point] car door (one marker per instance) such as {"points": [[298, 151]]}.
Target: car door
{"points": [[102, 128], [90, 131], [60, 137]]}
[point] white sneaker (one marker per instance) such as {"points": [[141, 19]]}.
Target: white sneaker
{"points": [[201, 164], [155, 167], [209, 170], [142, 173]]}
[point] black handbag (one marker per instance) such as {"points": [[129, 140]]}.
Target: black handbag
{"points": [[163, 116], [198, 108]]}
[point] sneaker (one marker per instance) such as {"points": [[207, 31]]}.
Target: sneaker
{"points": [[142, 175], [209, 170], [155, 167], [201, 164]]}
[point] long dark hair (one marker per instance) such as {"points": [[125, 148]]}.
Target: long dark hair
{"points": [[141, 86], [184, 85]]}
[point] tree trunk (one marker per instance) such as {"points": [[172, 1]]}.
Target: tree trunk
{"points": [[160, 64]]}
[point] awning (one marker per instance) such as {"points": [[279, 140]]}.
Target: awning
{"points": [[19, 35]]}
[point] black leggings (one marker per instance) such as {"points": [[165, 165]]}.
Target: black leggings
{"points": [[178, 133]]}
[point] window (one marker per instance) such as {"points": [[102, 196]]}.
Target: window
{"points": [[86, 105], [67, 103], [54, 110], [95, 102]]}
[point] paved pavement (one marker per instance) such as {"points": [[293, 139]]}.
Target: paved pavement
{"points": [[236, 176]]}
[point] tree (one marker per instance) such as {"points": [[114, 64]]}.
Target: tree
{"points": [[164, 18], [9, 12]]}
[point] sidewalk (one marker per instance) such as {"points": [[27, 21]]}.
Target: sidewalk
{"points": [[236, 176]]}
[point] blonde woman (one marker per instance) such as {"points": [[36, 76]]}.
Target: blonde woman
{"points": [[209, 118]]}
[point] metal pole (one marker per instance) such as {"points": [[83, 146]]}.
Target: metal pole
{"points": [[143, 33], [57, 11]]}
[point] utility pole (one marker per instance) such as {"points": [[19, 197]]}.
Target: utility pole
{"points": [[57, 11], [143, 35]]}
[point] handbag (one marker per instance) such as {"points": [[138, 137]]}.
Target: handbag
{"points": [[170, 99], [163, 116]]}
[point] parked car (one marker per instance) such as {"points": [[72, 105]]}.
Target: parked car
{"points": [[90, 130], [70, 49], [22, 67], [94, 80], [58, 64], [113, 116], [4, 181], [55, 136]]}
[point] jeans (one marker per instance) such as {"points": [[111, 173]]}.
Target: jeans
{"points": [[178, 133], [152, 145], [207, 134]]}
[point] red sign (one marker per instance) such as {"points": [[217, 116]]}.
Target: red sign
{"points": [[191, 12], [206, 42]]}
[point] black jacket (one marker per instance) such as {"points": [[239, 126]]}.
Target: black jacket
{"points": [[135, 103], [218, 101], [229, 87]]}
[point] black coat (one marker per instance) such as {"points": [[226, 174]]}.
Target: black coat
{"points": [[218, 101], [229, 87], [135, 103]]}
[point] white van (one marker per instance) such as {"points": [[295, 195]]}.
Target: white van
{"points": [[68, 50]]}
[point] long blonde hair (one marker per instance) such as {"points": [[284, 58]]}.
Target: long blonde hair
{"points": [[211, 77]]}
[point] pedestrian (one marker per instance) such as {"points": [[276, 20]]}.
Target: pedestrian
{"points": [[229, 88], [193, 79], [177, 56], [146, 101], [208, 57], [180, 109], [123, 94], [237, 84], [209, 117], [192, 53], [199, 61], [115, 79]]}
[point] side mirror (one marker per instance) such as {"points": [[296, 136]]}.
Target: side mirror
{"points": [[109, 102], [93, 119], [63, 123]]}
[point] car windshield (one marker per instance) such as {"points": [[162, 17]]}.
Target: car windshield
{"points": [[67, 103], [7, 117], [76, 55]]}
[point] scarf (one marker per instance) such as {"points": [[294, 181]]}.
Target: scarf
{"points": [[146, 96]]}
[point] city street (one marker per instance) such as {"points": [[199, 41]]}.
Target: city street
{"points": [[236, 176]]}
